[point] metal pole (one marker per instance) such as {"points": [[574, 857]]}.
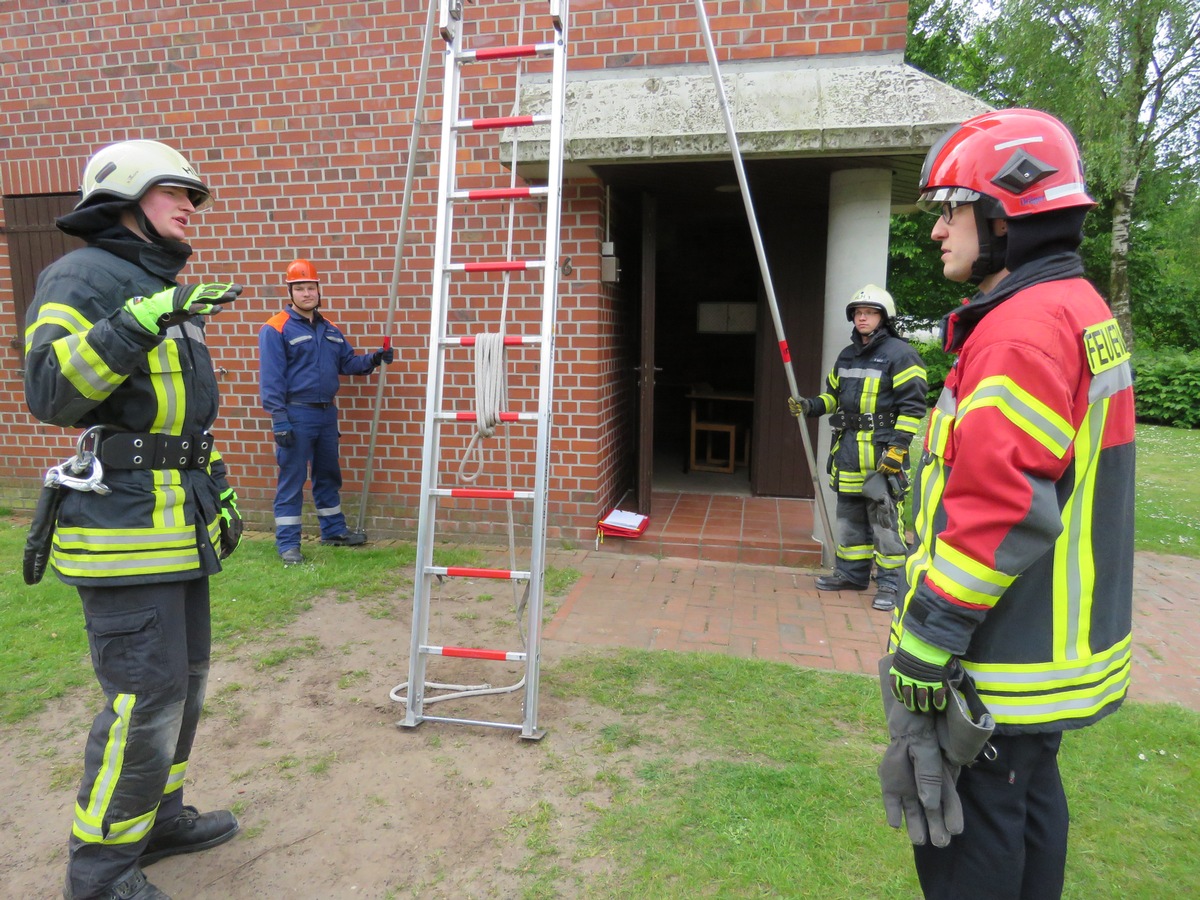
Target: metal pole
{"points": [[827, 556], [401, 244]]}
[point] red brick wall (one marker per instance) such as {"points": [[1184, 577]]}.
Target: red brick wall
{"points": [[298, 115]]}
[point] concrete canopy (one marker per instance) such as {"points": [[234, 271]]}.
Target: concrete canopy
{"points": [[863, 112]]}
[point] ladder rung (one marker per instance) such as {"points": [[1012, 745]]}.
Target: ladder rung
{"points": [[512, 340], [475, 653], [517, 51], [469, 572], [519, 193], [498, 265], [473, 417], [494, 122], [482, 493]]}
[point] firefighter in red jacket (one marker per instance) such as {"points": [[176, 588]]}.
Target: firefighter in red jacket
{"points": [[1022, 571], [302, 355], [117, 346]]}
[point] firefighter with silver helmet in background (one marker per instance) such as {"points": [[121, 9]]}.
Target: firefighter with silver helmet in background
{"points": [[115, 344], [1020, 583], [875, 398], [301, 356]]}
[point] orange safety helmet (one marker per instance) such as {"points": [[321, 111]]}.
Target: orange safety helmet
{"points": [[1016, 162], [300, 270]]}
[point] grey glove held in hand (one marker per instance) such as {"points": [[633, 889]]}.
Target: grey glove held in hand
{"points": [[917, 781]]}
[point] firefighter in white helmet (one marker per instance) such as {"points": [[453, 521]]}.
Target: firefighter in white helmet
{"points": [[875, 398], [116, 344], [1021, 577]]}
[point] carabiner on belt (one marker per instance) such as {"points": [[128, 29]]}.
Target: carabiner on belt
{"points": [[70, 472]]}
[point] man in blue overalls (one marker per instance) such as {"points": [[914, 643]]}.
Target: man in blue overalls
{"points": [[301, 358]]}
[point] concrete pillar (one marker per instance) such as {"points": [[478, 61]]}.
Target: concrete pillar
{"points": [[859, 212]]}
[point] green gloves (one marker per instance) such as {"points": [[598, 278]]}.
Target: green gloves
{"points": [[892, 462], [230, 523], [917, 780], [800, 406], [172, 305], [918, 675]]}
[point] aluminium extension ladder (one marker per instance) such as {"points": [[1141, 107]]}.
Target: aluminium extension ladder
{"points": [[461, 214]]}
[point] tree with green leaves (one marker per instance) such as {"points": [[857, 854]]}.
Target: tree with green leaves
{"points": [[1123, 74]]}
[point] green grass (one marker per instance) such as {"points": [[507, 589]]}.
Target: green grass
{"points": [[1168, 496], [765, 786]]}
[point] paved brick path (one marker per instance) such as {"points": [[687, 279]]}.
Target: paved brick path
{"points": [[774, 612]]}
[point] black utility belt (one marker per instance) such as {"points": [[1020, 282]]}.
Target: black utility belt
{"points": [[136, 450], [848, 421], [310, 404]]}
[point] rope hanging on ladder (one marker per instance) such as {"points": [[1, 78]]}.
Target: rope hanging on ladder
{"points": [[491, 396]]}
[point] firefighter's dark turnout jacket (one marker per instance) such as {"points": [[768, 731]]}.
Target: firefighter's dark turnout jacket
{"points": [[88, 362], [884, 375], [1024, 506]]}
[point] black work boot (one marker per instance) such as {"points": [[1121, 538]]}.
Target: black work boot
{"points": [[345, 539], [130, 886], [885, 599], [838, 582], [188, 832]]}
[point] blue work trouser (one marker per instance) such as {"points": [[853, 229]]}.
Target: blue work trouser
{"points": [[861, 541], [1015, 820], [316, 446], [150, 648]]}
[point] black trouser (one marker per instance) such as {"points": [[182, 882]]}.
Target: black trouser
{"points": [[150, 651], [1014, 840]]}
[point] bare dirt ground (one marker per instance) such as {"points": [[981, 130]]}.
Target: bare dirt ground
{"points": [[334, 799]]}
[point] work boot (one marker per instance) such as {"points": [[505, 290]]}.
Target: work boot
{"points": [[838, 582], [291, 556], [345, 539], [130, 886], [188, 832], [885, 599]]}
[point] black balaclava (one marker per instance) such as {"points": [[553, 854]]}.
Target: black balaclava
{"points": [[1047, 234], [993, 248]]}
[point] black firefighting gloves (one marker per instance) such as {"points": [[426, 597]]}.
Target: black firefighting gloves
{"points": [[383, 355], [283, 434], [172, 305], [918, 675], [917, 780], [801, 406], [230, 523], [892, 462]]}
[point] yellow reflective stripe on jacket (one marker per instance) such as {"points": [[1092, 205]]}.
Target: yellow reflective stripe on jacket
{"points": [[908, 375], [169, 389], [101, 552], [89, 820], [966, 580], [65, 317], [169, 497], [1074, 560], [79, 363], [1023, 409], [1056, 691]]}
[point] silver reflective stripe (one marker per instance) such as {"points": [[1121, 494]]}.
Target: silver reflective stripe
{"points": [[1109, 382], [330, 511], [288, 520], [861, 372]]}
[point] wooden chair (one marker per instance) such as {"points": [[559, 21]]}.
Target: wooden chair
{"points": [[710, 430]]}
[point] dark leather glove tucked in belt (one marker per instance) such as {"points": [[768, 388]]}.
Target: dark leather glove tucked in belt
{"points": [[141, 450]]}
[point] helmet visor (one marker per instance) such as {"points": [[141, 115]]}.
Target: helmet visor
{"points": [[201, 198], [934, 201]]}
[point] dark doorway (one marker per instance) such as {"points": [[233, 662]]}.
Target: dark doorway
{"points": [[719, 383]]}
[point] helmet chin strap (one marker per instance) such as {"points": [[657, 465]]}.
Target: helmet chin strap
{"points": [[152, 234], [993, 249]]}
